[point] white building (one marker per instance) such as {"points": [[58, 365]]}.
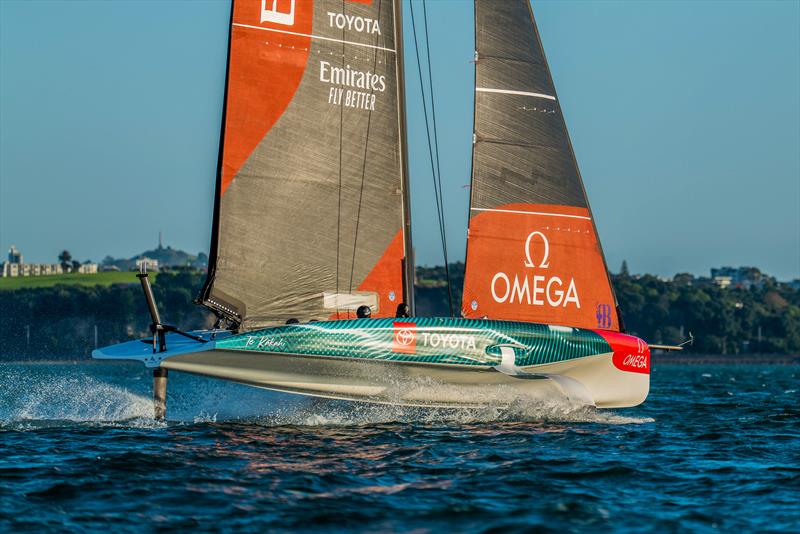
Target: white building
{"points": [[149, 264], [723, 281], [88, 268], [15, 266], [14, 255], [31, 269]]}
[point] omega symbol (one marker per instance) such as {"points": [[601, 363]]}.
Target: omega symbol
{"points": [[529, 250]]}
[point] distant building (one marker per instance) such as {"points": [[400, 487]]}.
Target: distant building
{"points": [[15, 266], [723, 281], [14, 255], [146, 264], [30, 269], [684, 279], [739, 277], [88, 268]]}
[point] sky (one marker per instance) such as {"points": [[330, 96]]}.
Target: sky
{"points": [[684, 116]]}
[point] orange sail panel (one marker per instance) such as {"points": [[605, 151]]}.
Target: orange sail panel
{"points": [[532, 251], [265, 69], [309, 211], [385, 274], [537, 263]]}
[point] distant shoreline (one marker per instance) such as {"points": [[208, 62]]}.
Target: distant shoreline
{"points": [[725, 359]]}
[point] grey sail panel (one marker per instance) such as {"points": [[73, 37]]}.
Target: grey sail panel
{"points": [[525, 130], [310, 215], [533, 253], [505, 173]]}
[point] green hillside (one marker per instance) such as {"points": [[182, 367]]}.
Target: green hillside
{"points": [[166, 256], [103, 278]]}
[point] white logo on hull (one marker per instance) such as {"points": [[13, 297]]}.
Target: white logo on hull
{"points": [[264, 342], [452, 341], [638, 361], [404, 337]]}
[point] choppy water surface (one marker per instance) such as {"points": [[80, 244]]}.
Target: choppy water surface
{"points": [[714, 447]]}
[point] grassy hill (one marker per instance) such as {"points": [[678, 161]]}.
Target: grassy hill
{"points": [[104, 279], [166, 256]]}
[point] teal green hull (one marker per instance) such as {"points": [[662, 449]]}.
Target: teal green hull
{"points": [[424, 340]]}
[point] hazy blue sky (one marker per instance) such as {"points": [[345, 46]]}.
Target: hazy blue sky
{"points": [[685, 117]]}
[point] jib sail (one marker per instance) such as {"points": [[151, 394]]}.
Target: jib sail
{"points": [[309, 213], [533, 253]]}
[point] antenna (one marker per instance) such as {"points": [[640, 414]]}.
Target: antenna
{"points": [[689, 341]]}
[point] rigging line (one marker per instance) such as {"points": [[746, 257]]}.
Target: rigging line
{"points": [[430, 144], [436, 190], [339, 209], [363, 171], [436, 150], [439, 210]]}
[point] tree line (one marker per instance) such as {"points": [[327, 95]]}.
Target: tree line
{"points": [[65, 321], [764, 318]]}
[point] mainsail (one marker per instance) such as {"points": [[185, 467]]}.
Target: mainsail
{"points": [[311, 197], [533, 253]]}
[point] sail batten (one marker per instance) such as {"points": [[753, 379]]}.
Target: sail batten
{"points": [[274, 30], [533, 253], [542, 213], [310, 221], [513, 92]]}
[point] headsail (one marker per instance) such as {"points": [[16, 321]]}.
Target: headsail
{"points": [[533, 253], [309, 212]]}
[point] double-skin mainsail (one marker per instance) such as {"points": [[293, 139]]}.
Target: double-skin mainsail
{"points": [[311, 217], [310, 203]]}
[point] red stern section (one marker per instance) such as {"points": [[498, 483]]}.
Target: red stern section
{"points": [[631, 354]]}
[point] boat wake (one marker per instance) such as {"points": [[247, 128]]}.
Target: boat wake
{"points": [[37, 401], [321, 412], [44, 395]]}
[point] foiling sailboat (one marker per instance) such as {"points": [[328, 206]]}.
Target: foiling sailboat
{"points": [[311, 274]]}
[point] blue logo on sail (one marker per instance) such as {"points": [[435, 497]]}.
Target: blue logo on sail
{"points": [[603, 315]]}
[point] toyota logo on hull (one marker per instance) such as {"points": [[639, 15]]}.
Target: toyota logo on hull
{"points": [[404, 337]]}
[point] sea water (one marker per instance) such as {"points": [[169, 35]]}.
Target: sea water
{"points": [[714, 448]]}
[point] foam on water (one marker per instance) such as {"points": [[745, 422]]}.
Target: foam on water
{"points": [[360, 414], [44, 398], [39, 395]]}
